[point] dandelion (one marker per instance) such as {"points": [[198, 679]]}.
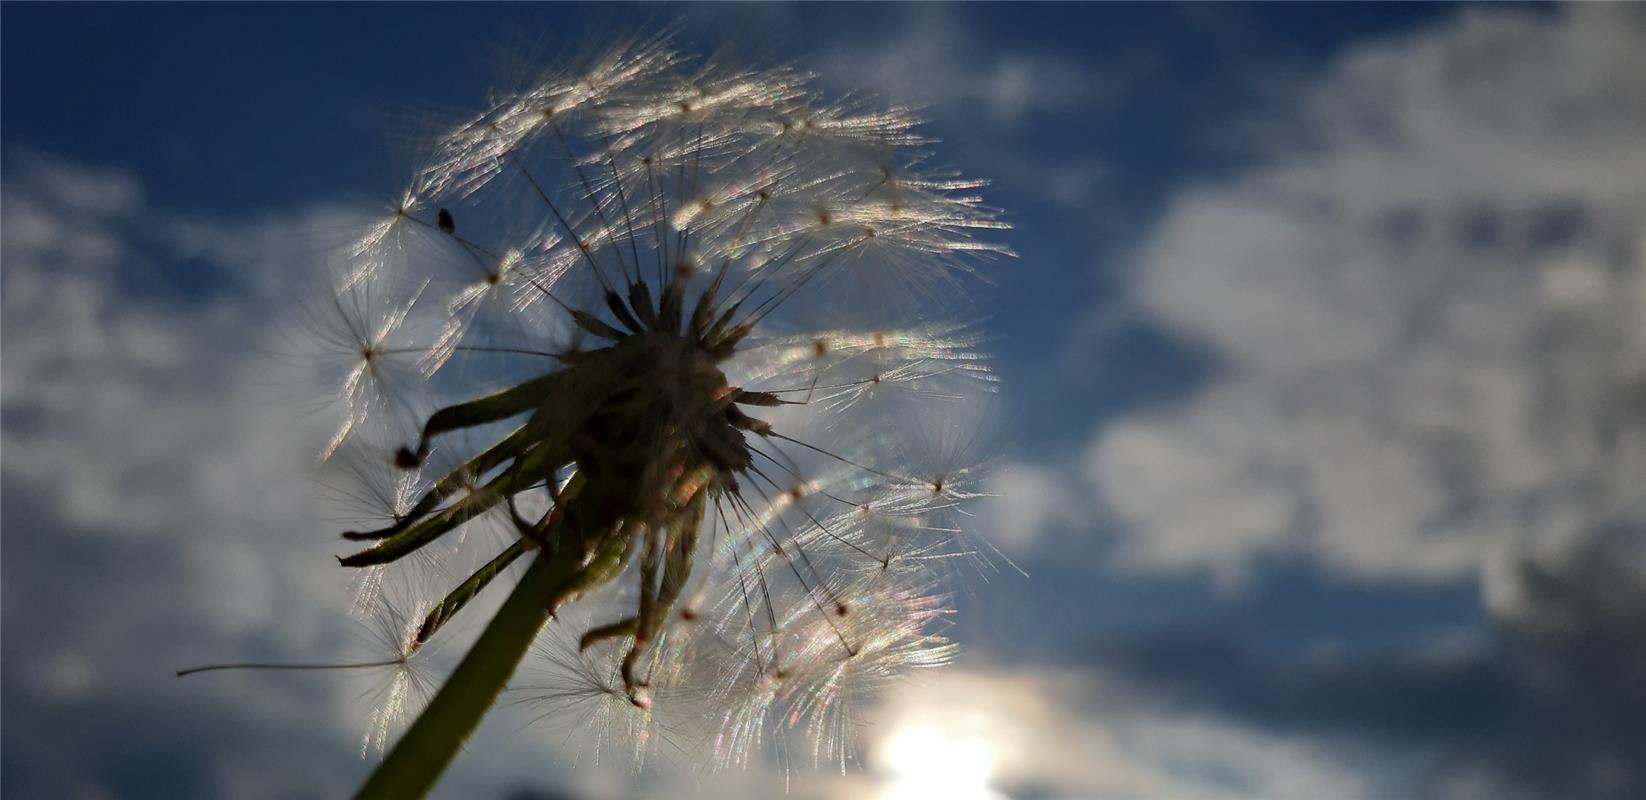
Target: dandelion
{"points": [[676, 321]]}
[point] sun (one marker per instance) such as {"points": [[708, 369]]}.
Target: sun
{"points": [[928, 764]]}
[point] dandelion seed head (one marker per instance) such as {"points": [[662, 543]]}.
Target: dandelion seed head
{"points": [[674, 316]]}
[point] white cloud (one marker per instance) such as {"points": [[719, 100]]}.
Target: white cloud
{"points": [[1429, 309], [1028, 503], [150, 412], [124, 402], [935, 60], [172, 512]]}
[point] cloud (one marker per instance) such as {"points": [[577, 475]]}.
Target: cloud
{"points": [[1427, 305], [1029, 502], [936, 60], [161, 503], [1542, 705], [158, 504]]}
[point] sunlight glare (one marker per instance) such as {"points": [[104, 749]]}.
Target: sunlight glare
{"points": [[927, 764]]}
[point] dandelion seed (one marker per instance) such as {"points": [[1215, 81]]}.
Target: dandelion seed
{"points": [[580, 691], [394, 661], [361, 333], [404, 684]]}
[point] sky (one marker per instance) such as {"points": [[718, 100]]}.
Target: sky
{"points": [[1323, 368]]}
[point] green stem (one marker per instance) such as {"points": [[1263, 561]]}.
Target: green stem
{"points": [[428, 746]]}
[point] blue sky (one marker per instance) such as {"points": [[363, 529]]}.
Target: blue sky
{"points": [[1322, 364]]}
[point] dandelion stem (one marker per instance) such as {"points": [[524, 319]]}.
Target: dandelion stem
{"points": [[428, 746]]}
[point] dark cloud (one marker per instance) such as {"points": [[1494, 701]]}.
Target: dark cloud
{"points": [[1546, 704]]}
